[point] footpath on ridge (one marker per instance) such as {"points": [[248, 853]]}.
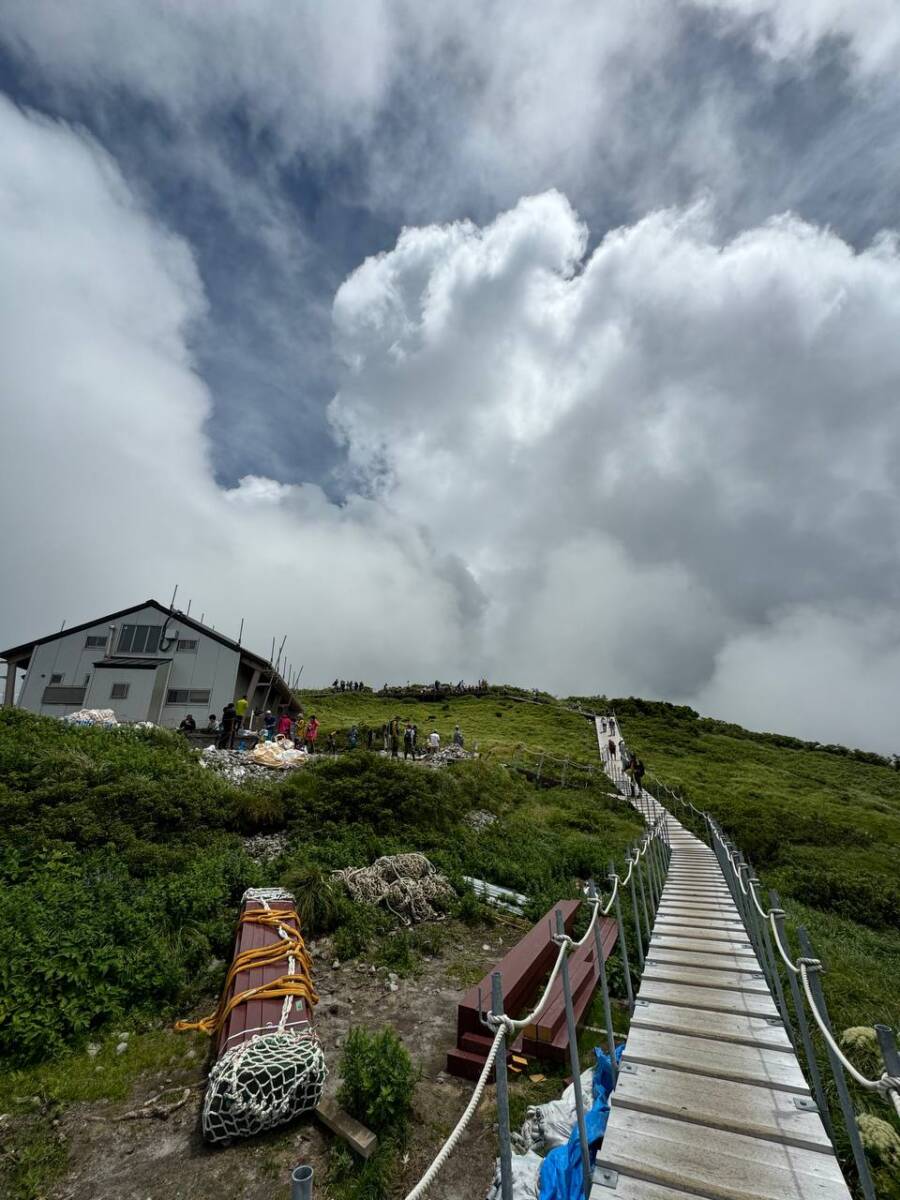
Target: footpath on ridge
{"points": [[710, 1101]]}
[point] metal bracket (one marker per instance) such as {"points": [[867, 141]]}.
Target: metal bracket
{"points": [[606, 1177], [773, 1020], [642, 1003], [757, 975], [806, 1104], [628, 1068]]}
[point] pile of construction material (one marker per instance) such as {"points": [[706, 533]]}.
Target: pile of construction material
{"points": [[449, 754], [264, 848], [240, 766], [92, 716]]}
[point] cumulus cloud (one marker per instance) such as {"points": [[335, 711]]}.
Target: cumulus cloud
{"points": [[643, 453]]}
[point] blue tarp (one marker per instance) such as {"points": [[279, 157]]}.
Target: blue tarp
{"points": [[561, 1174]]}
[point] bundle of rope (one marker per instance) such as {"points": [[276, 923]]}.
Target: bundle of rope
{"points": [[277, 1069], [408, 885]]}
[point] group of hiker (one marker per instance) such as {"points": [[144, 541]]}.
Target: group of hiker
{"points": [[349, 685], [632, 767], [394, 732]]}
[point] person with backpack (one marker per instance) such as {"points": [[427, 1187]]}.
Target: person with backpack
{"points": [[409, 745], [226, 729], [638, 774]]}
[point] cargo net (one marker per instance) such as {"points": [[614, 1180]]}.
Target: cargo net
{"points": [[262, 1084]]}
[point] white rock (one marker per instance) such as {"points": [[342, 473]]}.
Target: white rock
{"points": [[121, 1048], [336, 964], [93, 1049]]}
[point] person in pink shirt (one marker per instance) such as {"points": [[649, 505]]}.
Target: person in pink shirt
{"points": [[284, 725], [312, 732]]}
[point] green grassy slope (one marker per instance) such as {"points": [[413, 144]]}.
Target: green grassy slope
{"points": [[496, 723]]}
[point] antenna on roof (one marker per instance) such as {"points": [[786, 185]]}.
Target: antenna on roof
{"points": [[188, 613], [62, 627], [241, 634], [172, 601], [202, 615]]}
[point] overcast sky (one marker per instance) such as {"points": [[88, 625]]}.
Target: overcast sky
{"points": [[557, 343]]}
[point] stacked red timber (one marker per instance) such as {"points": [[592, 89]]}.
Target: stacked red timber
{"points": [[524, 971], [548, 1037], [269, 1065]]}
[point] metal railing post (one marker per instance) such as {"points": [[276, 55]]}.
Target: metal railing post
{"points": [[813, 969], [500, 1071], [762, 926], [604, 988], [888, 1044], [618, 906], [574, 1060], [637, 919], [812, 1064], [640, 877]]}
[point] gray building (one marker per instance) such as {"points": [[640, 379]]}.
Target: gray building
{"points": [[147, 663]]}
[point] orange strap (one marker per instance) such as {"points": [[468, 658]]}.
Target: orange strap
{"points": [[297, 983]]}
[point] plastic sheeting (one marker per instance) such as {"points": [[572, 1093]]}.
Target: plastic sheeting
{"points": [[561, 1175], [280, 753]]}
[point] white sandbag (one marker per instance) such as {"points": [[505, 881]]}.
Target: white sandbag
{"points": [[92, 716], [549, 1125], [280, 753], [526, 1177]]}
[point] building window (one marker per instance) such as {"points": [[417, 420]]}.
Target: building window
{"points": [[187, 696], [94, 641], [139, 639], [55, 679], [63, 695], [119, 691], [187, 645]]}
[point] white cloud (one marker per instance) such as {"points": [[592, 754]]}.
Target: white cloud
{"points": [[106, 457], [641, 454], [796, 29], [616, 471], [829, 677]]}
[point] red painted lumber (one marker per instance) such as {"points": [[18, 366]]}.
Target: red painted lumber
{"points": [[523, 971], [261, 1016], [548, 1037]]}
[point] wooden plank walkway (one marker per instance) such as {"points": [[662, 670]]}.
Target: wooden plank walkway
{"points": [[711, 1101]]}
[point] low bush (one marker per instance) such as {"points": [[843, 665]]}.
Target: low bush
{"points": [[83, 941], [377, 1080]]}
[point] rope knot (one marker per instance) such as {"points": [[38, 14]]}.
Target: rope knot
{"points": [[501, 1021], [811, 964], [889, 1083]]}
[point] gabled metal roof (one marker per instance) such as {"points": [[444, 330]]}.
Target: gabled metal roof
{"points": [[182, 620]]}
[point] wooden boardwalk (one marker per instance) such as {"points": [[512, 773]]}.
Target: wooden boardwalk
{"points": [[711, 1101]]}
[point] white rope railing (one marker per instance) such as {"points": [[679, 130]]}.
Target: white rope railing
{"points": [[506, 1026], [886, 1084]]}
